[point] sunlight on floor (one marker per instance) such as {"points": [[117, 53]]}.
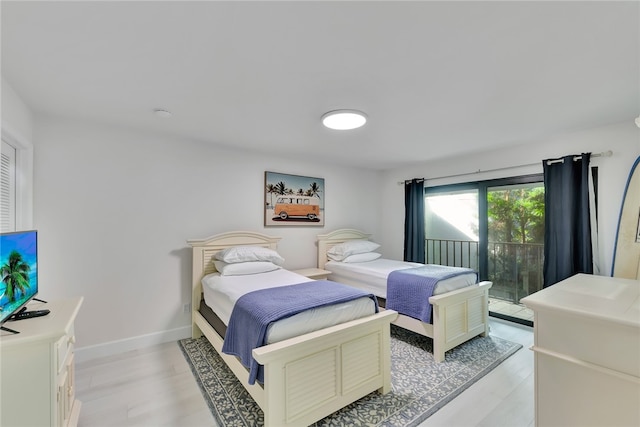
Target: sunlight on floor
{"points": [[510, 309]]}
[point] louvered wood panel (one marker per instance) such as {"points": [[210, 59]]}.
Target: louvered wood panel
{"points": [[356, 371], [456, 321], [475, 307], [207, 261], [321, 370]]}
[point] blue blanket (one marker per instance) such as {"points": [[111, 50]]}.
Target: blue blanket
{"points": [[408, 291], [253, 312]]}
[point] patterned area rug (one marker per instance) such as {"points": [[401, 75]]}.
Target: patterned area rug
{"points": [[420, 386]]}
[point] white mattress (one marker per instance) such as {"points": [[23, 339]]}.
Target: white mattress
{"points": [[371, 276], [222, 292]]}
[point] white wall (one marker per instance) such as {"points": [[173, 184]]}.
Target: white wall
{"points": [[17, 118], [17, 130], [622, 138], [114, 209]]}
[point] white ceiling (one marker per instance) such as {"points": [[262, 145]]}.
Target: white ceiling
{"points": [[436, 78]]}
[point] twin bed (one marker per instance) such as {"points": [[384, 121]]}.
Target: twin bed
{"points": [[459, 312], [308, 376], [313, 371]]}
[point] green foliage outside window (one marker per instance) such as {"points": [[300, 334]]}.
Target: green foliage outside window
{"points": [[516, 215]]}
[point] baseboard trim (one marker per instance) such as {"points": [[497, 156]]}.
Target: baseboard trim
{"points": [[83, 354]]}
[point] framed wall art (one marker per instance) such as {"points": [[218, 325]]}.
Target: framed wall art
{"points": [[293, 200]]}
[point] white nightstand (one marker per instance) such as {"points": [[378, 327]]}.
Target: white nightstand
{"points": [[313, 273]]}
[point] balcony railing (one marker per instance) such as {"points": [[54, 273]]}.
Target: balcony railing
{"points": [[514, 268], [455, 253]]}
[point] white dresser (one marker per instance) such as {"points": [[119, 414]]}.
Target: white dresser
{"points": [[587, 352], [37, 368]]}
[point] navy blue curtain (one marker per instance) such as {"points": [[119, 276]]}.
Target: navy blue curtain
{"points": [[567, 235], [414, 220]]}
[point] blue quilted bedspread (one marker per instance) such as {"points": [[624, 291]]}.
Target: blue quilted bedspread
{"points": [[409, 290], [253, 312]]}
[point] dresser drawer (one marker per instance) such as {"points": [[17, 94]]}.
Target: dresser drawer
{"points": [[596, 341]]}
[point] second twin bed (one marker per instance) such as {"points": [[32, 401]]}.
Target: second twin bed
{"points": [[459, 307]]}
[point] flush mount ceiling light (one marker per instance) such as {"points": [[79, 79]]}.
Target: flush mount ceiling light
{"points": [[344, 119]]}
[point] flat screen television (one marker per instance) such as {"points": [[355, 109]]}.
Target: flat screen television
{"points": [[18, 271]]}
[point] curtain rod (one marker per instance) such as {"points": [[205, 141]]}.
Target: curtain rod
{"points": [[576, 158], [608, 153]]}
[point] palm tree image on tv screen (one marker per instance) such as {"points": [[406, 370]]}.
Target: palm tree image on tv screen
{"points": [[18, 271], [15, 276]]}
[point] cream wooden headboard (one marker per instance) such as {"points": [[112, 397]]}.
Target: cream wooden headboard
{"points": [[204, 249], [327, 241]]}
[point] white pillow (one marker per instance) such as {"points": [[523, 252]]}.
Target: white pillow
{"points": [[334, 257], [248, 253], [352, 247], [243, 268], [367, 256]]}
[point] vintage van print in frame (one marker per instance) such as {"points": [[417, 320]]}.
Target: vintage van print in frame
{"points": [[293, 200]]}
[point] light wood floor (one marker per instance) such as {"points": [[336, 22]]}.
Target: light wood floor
{"points": [[155, 387]]}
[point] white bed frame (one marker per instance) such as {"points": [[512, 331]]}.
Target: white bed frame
{"points": [[310, 376], [457, 316]]}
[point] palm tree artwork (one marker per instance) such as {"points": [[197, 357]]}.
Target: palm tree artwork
{"points": [[281, 188], [314, 190], [303, 191], [270, 189], [15, 275]]}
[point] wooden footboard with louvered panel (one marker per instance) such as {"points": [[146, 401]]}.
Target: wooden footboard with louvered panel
{"points": [[314, 375], [309, 377]]}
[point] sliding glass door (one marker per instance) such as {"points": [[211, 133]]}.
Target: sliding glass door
{"points": [[495, 227], [515, 246]]}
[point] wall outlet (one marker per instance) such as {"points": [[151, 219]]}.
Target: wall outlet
{"points": [[186, 308]]}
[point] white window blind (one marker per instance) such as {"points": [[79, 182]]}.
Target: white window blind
{"points": [[7, 187]]}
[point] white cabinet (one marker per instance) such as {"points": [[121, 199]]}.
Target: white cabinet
{"points": [[587, 352], [37, 368]]}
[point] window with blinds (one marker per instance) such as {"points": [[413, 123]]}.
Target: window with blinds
{"points": [[7, 187]]}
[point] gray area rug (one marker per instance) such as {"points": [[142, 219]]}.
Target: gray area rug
{"points": [[420, 386]]}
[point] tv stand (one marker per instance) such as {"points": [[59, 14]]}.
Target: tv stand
{"points": [[37, 369]]}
